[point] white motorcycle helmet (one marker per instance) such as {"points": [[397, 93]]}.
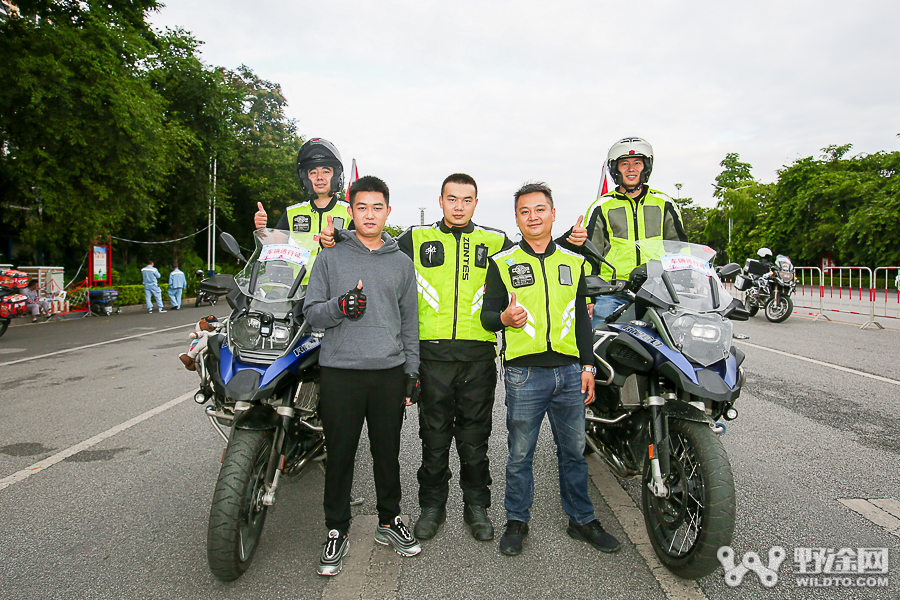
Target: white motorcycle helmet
{"points": [[628, 148], [764, 253]]}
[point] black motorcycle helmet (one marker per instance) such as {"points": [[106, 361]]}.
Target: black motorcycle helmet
{"points": [[320, 153]]}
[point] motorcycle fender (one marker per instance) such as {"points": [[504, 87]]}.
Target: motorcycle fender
{"points": [[257, 417], [676, 409]]}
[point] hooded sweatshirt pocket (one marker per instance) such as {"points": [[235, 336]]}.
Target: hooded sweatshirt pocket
{"points": [[374, 341]]}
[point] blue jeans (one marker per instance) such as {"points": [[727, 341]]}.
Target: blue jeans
{"points": [[532, 392], [156, 293], [175, 297], [604, 306]]}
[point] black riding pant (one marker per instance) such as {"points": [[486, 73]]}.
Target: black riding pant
{"points": [[456, 401], [349, 397]]}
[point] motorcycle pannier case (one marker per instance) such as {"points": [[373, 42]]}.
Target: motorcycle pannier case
{"points": [[755, 267], [742, 283], [10, 306], [13, 279]]}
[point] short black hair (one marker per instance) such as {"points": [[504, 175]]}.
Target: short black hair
{"points": [[532, 188], [462, 179], [32, 282], [369, 183]]}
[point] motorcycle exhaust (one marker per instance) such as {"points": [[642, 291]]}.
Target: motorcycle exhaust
{"points": [[615, 463]]}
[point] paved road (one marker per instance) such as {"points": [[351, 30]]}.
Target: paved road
{"points": [[125, 517]]}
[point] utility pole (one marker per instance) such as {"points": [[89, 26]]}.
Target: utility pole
{"points": [[678, 187], [421, 215]]}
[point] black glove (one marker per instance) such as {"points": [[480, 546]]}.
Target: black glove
{"points": [[353, 303], [412, 387]]}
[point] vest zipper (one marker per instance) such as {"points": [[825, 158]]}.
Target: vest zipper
{"points": [[456, 286], [637, 250], [547, 302]]}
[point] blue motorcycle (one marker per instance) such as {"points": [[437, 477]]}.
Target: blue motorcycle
{"points": [[259, 376], [668, 375]]}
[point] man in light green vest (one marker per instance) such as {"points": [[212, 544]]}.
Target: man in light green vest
{"points": [[535, 294], [458, 372], [320, 169], [629, 213]]}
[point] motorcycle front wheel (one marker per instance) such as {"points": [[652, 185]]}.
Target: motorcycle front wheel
{"points": [[780, 311], [198, 300], [238, 514], [4, 325], [688, 528]]}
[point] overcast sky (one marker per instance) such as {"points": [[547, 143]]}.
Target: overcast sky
{"points": [[511, 92]]}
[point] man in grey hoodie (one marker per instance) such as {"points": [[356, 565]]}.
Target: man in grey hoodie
{"points": [[369, 361]]}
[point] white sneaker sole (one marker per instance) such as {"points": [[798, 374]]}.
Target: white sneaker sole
{"points": [[384, 540], [331, 570]]}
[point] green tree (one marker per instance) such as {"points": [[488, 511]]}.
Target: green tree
{"points": [[259, 165], [694, 219], [849, 207], [86, 150], [734, 175]]}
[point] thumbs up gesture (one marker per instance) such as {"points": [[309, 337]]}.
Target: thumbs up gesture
{"points": [[353, 303], [578, 235], [514, 315], [260, 219], [326, 236]]}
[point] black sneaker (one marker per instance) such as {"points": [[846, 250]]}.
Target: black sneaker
{"points": [[594, 534], [332, 559], [399, 537], [479, 523], [515, 534], [429, 522]]}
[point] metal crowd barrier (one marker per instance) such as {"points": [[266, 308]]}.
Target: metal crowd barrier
{"points": [[809, 291], [844, 297], [890, 305]]}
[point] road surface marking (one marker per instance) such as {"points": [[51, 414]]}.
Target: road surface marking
{"points": [[60, 456], [21, 360], [632, 520], [884, 512], [370, 570], [822, 363]]}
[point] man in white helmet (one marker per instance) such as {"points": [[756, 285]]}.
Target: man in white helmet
{"points": [[629, 213]]}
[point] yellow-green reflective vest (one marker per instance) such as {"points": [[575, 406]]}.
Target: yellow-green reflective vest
{"points": [[547, 290], [302, 217], [627, 222], [450, 277]]}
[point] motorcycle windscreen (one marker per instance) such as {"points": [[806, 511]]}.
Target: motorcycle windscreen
{"points": [[680, 275], [268, 277]]}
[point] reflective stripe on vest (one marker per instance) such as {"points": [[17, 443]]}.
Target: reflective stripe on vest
{"points": [[450, 279], [547, 289], [625, 224]]}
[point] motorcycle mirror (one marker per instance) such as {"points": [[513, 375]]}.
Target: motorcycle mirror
{"points": [[729, 271], [736, 311], [231, 245], [590, 250]]}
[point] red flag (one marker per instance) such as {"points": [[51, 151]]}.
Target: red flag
{"points": [[352, 176], [607, 183]]}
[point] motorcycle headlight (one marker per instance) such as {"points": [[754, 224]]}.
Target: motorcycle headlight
{"points": [[704, 338], [786, 276], [245, 333]]}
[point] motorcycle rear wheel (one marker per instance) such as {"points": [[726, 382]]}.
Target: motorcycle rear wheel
{"points": [[780, 312], [750, 307], [688, 528], [237, 515]]}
